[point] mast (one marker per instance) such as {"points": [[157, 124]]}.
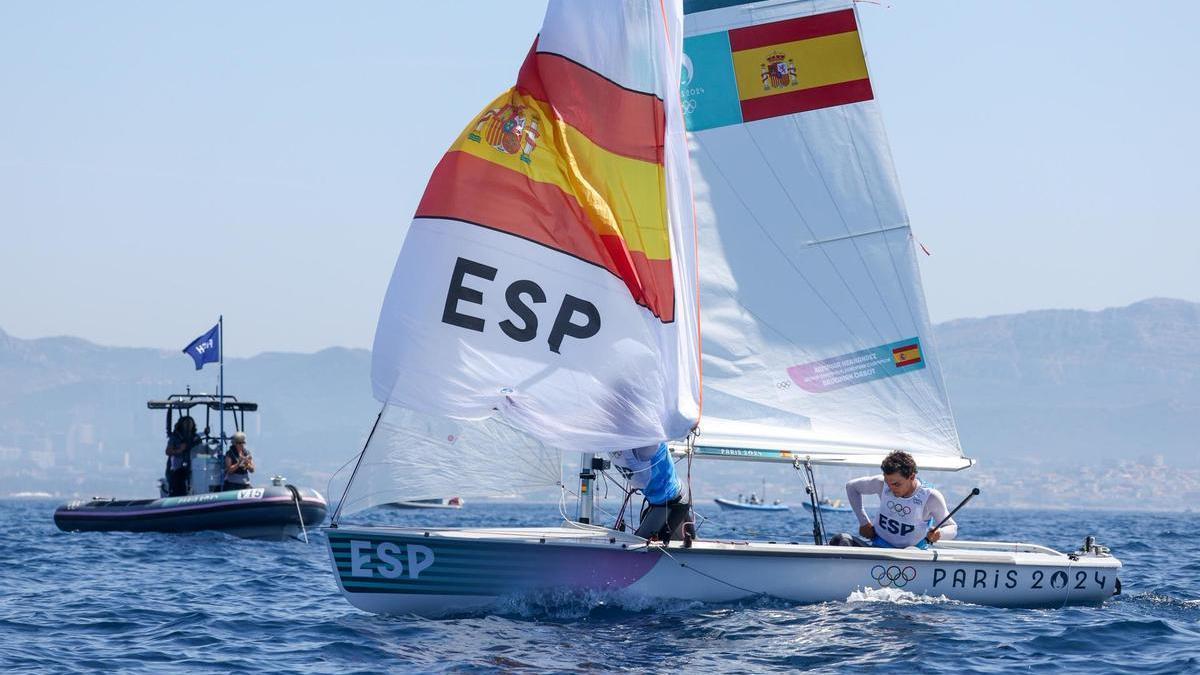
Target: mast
{"points": [[587, 475], [221, 375]]}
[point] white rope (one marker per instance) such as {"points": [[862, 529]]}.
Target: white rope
{"points": [[299, 515], [705, 574]]}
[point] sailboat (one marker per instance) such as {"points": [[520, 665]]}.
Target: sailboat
{"points": [[648, 171]]}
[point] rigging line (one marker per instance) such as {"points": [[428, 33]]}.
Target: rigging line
{"points": [[329, 483], [842, 217], [565, 490], [754, 218], [804, 221], [363, 453], [684, 565]]}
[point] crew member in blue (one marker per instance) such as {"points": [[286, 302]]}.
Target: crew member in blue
{"points": [[668, 514], [179, 455], [238, 464], [907, 513]]}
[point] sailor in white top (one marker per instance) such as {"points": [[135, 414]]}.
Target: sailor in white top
{"points": [[907, 509]]}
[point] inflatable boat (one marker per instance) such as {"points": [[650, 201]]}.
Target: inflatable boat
{"points": [[274, 512]]}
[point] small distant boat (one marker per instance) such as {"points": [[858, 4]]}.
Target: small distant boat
{"points": [[753, 503], [435, 503], [829, 506], [732, 505]]}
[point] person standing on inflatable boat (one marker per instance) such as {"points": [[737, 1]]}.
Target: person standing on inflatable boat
{"points": [[907, 509]]}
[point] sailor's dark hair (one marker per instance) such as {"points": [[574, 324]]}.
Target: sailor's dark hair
{"points": [[899, 462]]}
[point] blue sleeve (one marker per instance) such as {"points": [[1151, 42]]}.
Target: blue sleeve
{"points": [[664, 484]]}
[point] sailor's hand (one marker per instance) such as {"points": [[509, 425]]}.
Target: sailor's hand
{"points": [[933, 536], [867, 530]]}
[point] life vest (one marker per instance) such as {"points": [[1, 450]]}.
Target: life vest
{"points": [[238, 476], [901, 521]]}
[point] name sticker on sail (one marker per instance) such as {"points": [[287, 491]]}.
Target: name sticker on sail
{"points": [[866, 365]]}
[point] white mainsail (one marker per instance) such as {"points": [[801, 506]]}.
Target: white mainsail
{"points": [[545, 296], [816, 340]]}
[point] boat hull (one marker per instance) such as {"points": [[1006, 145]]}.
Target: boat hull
{"points": [[452, 503], [825, 508], [447, 571], [259, 513], [730, 505]]}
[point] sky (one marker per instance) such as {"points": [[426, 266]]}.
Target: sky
{"points": [[164, 163]]}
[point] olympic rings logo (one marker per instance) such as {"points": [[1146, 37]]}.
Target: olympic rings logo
{"points": [[893, 575], [899, 509]]}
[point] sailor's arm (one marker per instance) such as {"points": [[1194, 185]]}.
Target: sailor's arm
{"points": [[935, 510], [855, 489]]}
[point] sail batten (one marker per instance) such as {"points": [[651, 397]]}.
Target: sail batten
{"points": [[816, 336]]}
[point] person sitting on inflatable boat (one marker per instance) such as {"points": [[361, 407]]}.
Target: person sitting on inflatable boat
{"points": [[651, 470], [907, 509]]}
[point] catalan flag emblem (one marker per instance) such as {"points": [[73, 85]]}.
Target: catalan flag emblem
{"points": [[907, 355], [774, 69]]}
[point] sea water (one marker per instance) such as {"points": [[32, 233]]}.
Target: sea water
{"points": [[208, 602]]}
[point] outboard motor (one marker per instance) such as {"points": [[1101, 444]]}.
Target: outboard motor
{"points": [[1091, 548]]}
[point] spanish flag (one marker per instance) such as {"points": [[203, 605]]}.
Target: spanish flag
{"points": [[567, 146], [907, 355], [773, 69], [800, 64]]}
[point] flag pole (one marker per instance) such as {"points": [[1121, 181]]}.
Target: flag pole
{"points": [[221, 374]]}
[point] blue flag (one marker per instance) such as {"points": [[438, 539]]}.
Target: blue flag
{"points": [[206, 348]]}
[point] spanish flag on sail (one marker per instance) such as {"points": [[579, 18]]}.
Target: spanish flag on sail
{"points": [[774, 68], [574, 161], [548, 278]]}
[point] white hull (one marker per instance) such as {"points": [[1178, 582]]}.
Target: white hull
{"points": [[730, 505], [434, 572], [428, 504]]}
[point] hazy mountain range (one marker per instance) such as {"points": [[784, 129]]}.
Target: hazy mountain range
{"points": [[1063, 387]]}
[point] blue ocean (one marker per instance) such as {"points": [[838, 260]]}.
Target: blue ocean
{"points": [[209, 602]]}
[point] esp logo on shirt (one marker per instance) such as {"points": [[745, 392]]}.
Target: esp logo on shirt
{"points": [[894, 526]]}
